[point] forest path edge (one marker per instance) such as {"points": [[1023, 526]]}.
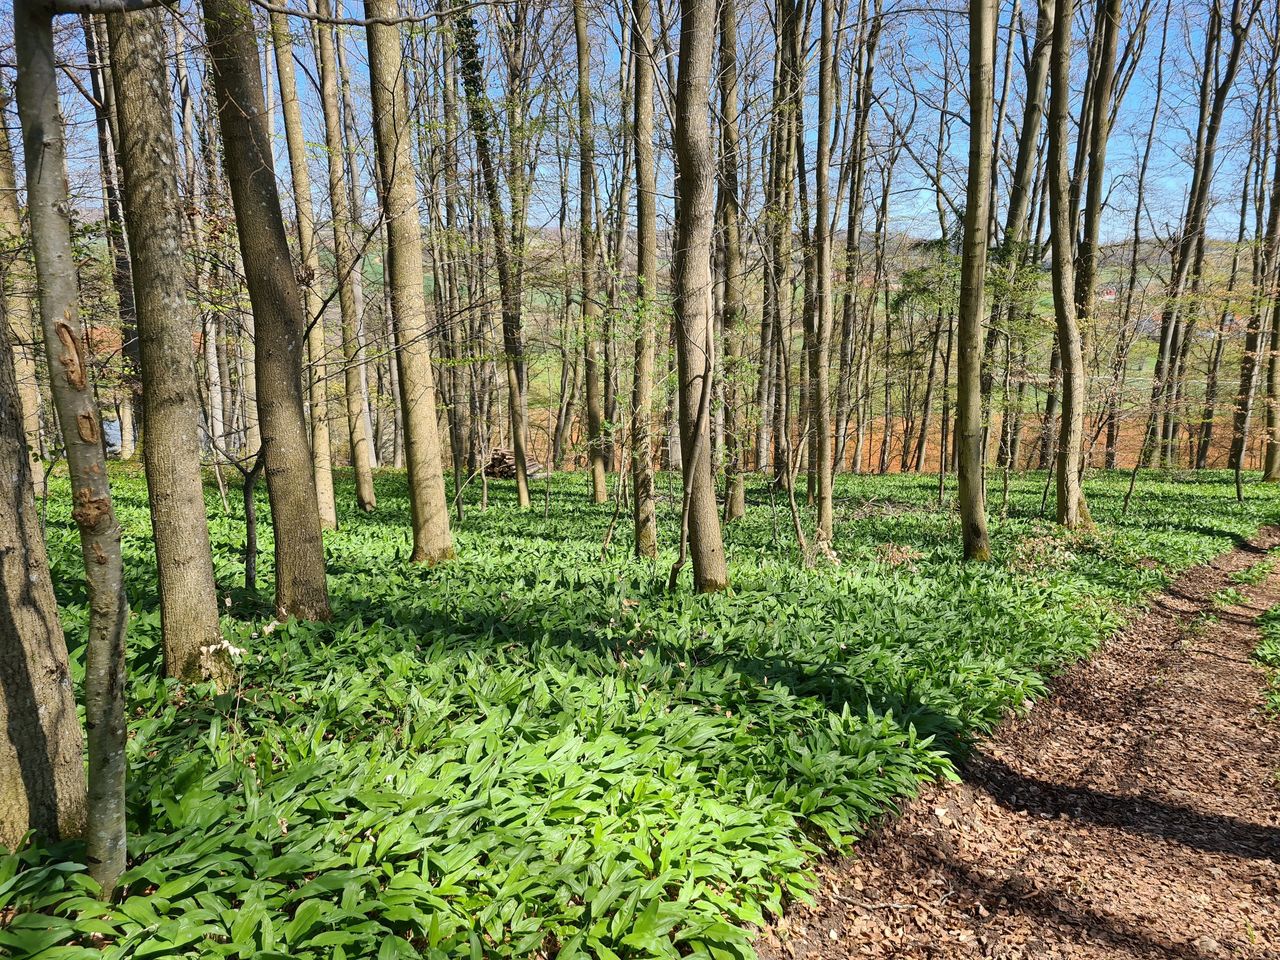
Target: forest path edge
{"points": [[1134, 812]]}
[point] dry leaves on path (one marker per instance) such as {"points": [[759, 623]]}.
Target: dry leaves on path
{"points": [[1135, 813]]}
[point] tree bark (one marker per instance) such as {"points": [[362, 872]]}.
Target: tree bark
{"points": [[695, 186], [42, 786], [735, 307], [1213, 104], [481, 113], [432, 539], [44, 150], [848, 386], [192, 637], [1072, 511], [105, 113], [16, 284], [642, 468], [973, 270], [279, 321], [588, 241], [820, 400], [308, 254], [347, 266]]}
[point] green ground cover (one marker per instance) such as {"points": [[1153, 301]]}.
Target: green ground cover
{"points": [[532, 751], [1268, 654]]}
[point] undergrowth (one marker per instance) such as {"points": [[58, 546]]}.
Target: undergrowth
{"points": [[1268, 654], [532, 751]]}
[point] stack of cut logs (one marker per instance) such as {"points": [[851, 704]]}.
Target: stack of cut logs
{"points": [[502, 465]]}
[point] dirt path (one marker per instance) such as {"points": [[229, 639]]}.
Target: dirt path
{"points": [[1134, 814]]}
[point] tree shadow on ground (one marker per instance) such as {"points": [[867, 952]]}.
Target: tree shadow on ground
{"points": [[1145, 816], [1053, 909]]}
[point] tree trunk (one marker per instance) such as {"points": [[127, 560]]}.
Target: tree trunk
{"points": [[347, 266], [695, 186], [1072, 511], [44, 151], [432, 540], [735, 307], [356, 207], [42, 785], [108, 132], [16, 303], [193, 647], [279, 321], [821, 396], [973, 270], [1213, 101], [481, 113], [317, 385], [642, 468], [850, 360], [1108, 29], [588, 241]]}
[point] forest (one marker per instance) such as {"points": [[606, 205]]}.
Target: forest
{"points": [[640, 478]]}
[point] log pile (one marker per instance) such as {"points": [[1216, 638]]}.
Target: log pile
{"points": [[502, 465]]}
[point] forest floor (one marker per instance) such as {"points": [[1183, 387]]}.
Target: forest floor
{"points": [[540, 750], [1133, 813]]}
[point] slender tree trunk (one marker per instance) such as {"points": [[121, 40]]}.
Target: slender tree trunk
{"points": [[821, 399], [481, 113], [347, 266], [1051, 399], [318, 389], [695, 186], [642, 467], [121, 272], [1213, 101], [432, 540], [16, 284], [930, 380], [1204, 438], [279, 320], [735, 307], [1072, 511], [356, 206], [1264, 273], [1108, 29], [193, 647], [459, 368], [1012, 253], [973, 270], [847, 387], [1135, 248], [588, 241], [49, 205]]}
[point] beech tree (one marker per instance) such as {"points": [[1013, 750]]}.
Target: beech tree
{"points": [[278, 320], [309, 256], [193, 647], [432, 540], [973, 271], [642, 466], [16, 302], [480, 111], [44, 150], [346, 265], [42, 784], [1072, 511], [695, 211], [587, 240]]}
